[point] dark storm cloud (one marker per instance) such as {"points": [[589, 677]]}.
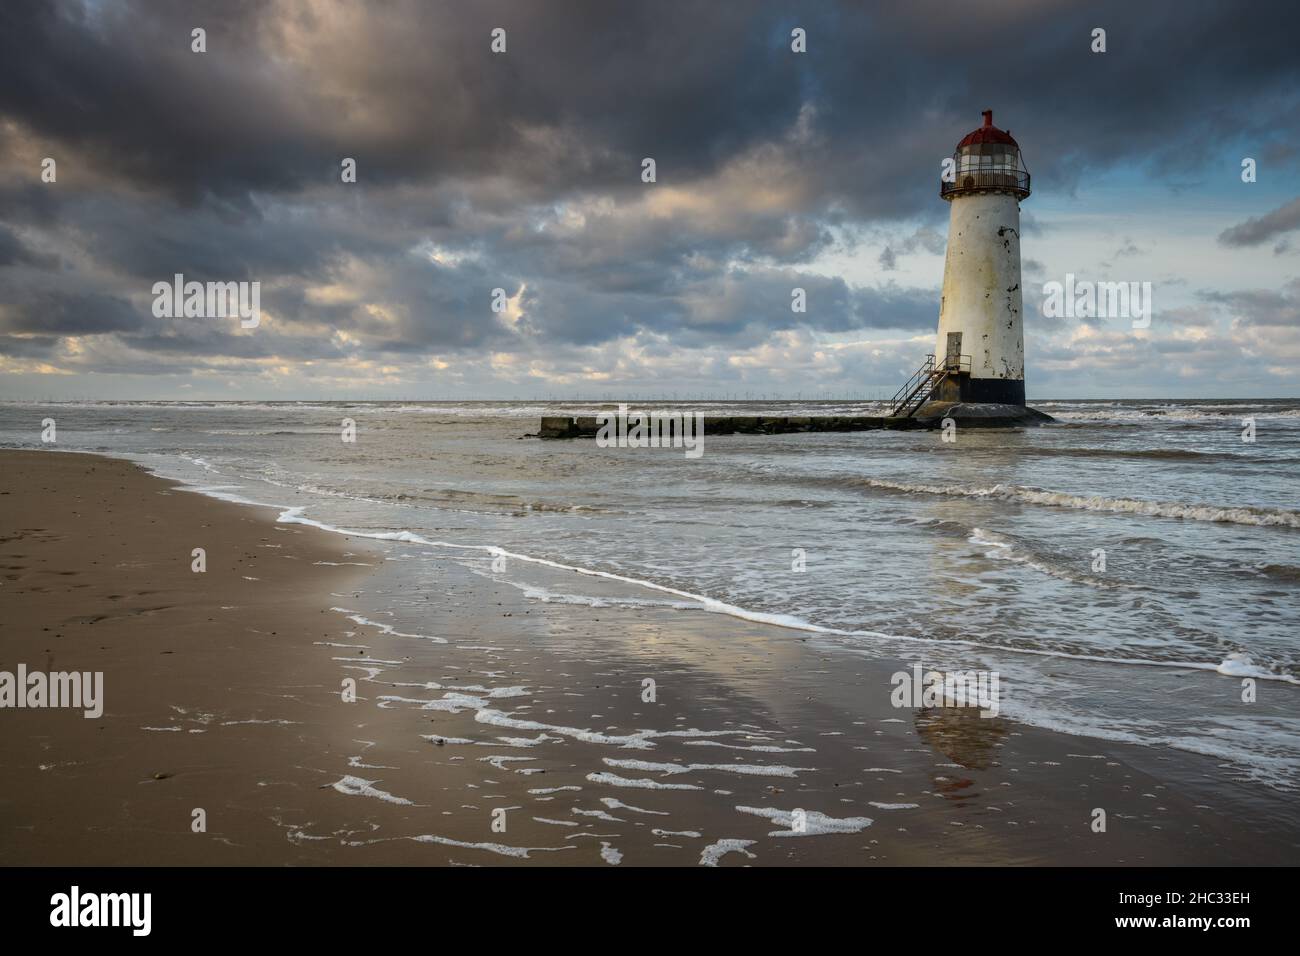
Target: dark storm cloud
{"points": [[116, 87], [408, 88], [28, 347], [587, 87], [72, 313], [732, 309], [14, 251], [151, 241], [521, 171]]}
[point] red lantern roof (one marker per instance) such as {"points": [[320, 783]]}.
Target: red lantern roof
{"points": [[988, 133]]}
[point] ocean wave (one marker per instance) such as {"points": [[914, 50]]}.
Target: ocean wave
{"points": [[479, 502], [1006, 548], [446, 499], [295, 515], [1241, 665], [789, 621], [269, 432], [1152, 454], [1233, 514], [547, 596], [1269, 761], [1198, 414]]}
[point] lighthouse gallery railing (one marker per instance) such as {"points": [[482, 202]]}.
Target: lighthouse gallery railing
{"points": [[973, 182]]}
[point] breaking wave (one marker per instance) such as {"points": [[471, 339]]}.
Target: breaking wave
{"points": [[1234, 514]]}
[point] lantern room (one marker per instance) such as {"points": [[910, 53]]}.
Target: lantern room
{"points": [[987, 160]]}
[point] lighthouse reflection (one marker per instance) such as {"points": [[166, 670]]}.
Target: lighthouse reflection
{"points": [[965, 609], [966, 739]]}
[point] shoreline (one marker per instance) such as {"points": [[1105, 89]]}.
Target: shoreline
{"points": [[227, 684]]}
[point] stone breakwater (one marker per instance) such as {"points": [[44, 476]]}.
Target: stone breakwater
{"points": [[932, 415], [587, 427]]}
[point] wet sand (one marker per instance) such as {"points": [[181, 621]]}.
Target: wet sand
{"points": [[507, 730]]}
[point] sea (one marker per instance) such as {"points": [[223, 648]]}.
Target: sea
{"points": [[1132, 572]]}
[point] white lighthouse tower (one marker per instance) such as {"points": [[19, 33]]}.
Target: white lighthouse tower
{"points": [[977, 371]]}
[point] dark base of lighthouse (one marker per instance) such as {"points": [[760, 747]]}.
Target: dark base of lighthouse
{"points": [[960, 387], [981, 414], [979, 403]]}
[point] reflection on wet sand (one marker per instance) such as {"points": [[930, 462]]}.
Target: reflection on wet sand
{"points": [[965, 738]]}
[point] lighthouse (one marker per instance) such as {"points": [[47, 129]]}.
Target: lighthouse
{"points": [[977, 370]]}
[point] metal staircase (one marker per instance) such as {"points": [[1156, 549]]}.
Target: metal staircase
{"points": [[924, 382], [917, 389]]}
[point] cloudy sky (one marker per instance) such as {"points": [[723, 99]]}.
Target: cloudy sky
{"points": [[522, 171]]}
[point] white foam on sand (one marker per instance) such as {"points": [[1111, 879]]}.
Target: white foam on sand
{"points": [[639, 783], [757, 748], [609, 854], [598, 814], [616, 804], [754, 770], [638, 740], [500, 761], [356, 787], [451, 703], [384, 628], [714, 852], [518, 852], [813, 823], [477, 689], [499, 719], [356, 764], [524, 741]]}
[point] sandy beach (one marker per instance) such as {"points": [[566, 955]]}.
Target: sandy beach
{"points": [[508, 731]]}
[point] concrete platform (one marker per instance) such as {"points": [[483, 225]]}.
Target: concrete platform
{"points": [[929, 416], [981, 415], [586, 427]]}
